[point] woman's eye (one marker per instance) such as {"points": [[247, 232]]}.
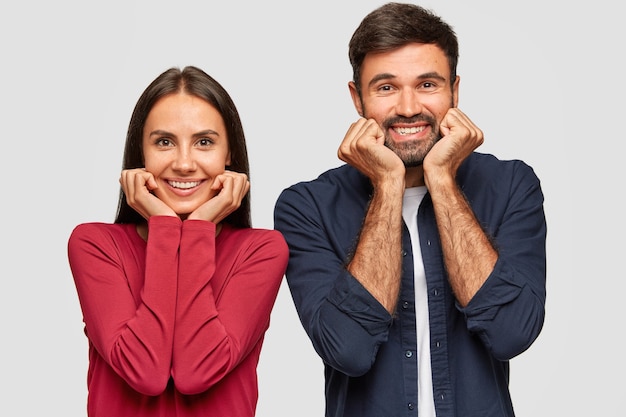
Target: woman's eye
{"points": [[163, 142], [205, 142]]}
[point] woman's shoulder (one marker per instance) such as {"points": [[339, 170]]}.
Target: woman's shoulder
{"points": [[254, 233], [100, 231], [255, 236], [103, 227]]}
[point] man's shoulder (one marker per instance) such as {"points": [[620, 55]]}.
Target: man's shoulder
{"points": [[486, 173], [489, 163], [331, 177], [338, 178], [342, 186]]}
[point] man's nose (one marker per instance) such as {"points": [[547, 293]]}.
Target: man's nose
{"points": [[408, 103]]}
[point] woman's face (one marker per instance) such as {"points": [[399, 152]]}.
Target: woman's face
{"points": [[184, 147]]}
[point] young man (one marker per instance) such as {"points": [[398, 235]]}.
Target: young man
{"points": [[417, 268]]}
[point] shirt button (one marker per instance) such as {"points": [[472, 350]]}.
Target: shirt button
{"points": [[437, 343], [411, 406], [405, 305], [408, 353], [403, 253], [436, 291]]}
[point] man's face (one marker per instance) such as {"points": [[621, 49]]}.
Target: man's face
{"points": [[407, 91]]}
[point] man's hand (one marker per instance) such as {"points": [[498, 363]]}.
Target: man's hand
{"points": [[460, 137], [364, 148]]}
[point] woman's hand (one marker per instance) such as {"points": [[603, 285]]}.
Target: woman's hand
{"points": [[231, 187], [138, 185]]}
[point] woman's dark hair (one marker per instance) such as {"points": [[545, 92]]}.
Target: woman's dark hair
{"points": [[196, 82], [396, 24]]}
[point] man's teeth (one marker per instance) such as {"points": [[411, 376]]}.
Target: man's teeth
{"points": [[184, 185], [408, 130]]}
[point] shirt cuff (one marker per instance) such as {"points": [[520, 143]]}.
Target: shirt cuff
{"points": [[351, 298]]}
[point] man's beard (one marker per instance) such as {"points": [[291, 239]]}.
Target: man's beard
{"points": [[412, 153]]}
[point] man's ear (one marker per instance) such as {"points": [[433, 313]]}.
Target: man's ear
{"points": [[356, 98], [455, 91]]}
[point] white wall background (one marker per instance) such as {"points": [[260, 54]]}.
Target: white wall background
{"points": [[543, 79]]}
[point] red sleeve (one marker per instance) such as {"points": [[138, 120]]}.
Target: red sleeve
{"points": [[132, 332], [215, 332]]}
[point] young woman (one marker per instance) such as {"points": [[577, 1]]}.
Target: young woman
{"points": [[177, 293]]}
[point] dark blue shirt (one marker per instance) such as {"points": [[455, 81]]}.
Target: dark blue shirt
{"points": [[370, 358]]}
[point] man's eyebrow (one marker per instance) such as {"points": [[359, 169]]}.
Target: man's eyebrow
{"points": [[431, 75], [387, 76], [379, 77]]}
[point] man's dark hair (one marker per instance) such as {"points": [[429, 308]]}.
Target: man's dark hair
{"points": [[394, 25]]}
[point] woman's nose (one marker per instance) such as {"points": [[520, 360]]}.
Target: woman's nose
{"points": [[184, 161]]}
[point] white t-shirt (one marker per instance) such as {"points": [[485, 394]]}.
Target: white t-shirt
{"points": [[425, 401]]}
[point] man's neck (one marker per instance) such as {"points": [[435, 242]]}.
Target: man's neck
{"points": [[414, 177]]}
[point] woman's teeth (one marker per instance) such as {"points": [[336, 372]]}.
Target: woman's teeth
{"points": [[184, 185]]}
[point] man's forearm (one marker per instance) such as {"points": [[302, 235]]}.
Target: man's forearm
{"points": [[377, 261], [468, 254]]}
